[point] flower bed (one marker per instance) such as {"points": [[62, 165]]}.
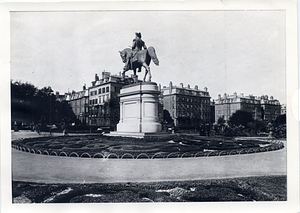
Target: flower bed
{"points": [[152, 147]]}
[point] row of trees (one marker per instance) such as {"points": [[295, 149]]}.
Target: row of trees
{"points": [[31, 105], [242, 123]]}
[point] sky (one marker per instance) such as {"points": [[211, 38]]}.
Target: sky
{"points": [[225, 51]]}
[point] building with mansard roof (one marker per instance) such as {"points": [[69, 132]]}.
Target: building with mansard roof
{"points": [[187, 106], [261, 108], [104, 108]]}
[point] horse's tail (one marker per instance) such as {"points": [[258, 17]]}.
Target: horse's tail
{"points": [[153, 56]]}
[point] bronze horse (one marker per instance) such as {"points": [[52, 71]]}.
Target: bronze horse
{"points": [[143, 59]]}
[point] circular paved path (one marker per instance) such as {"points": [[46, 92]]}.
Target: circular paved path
{"points": [[52, 169]]}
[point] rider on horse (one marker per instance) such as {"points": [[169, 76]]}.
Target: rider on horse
{"points": [[137, 45]]}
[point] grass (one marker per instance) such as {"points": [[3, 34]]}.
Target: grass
{"points": [[265, 188]]}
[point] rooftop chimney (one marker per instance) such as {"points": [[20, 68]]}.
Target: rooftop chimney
{"points": [[105, 75], [96, 77], [170, 87]]}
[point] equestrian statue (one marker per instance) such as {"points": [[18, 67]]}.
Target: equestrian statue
{"points": [[139, 55]]}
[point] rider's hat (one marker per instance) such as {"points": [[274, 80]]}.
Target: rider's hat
{"points": [[138, 35]]}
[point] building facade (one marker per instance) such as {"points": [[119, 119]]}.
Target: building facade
{"points": [[187, 106], [212, 112], [98, 105], [104, 108], [78, 102], [270, 109], [261, 108], [283, 109]]}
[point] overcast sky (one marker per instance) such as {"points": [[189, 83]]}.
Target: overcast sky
{"points": [[225, 51]]}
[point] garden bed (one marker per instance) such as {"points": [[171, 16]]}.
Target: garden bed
{"points": [[151, 147]]}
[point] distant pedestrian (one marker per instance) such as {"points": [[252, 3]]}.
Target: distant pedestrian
{"points": [[38, 129], [207, 127], [16, 129], [202, 129], [65, 132]]}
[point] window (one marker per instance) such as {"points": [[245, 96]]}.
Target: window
{"points": [[99, 91], [107, 89], [103, 90]]}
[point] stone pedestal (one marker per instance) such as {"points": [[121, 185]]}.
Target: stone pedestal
{"points": [[139, 108]]}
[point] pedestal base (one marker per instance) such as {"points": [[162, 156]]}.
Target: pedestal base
{"points": [[139, 109], [138, 134], [139, 126]]}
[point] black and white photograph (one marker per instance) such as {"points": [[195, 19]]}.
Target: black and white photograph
{"points": [[146, 106]]}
